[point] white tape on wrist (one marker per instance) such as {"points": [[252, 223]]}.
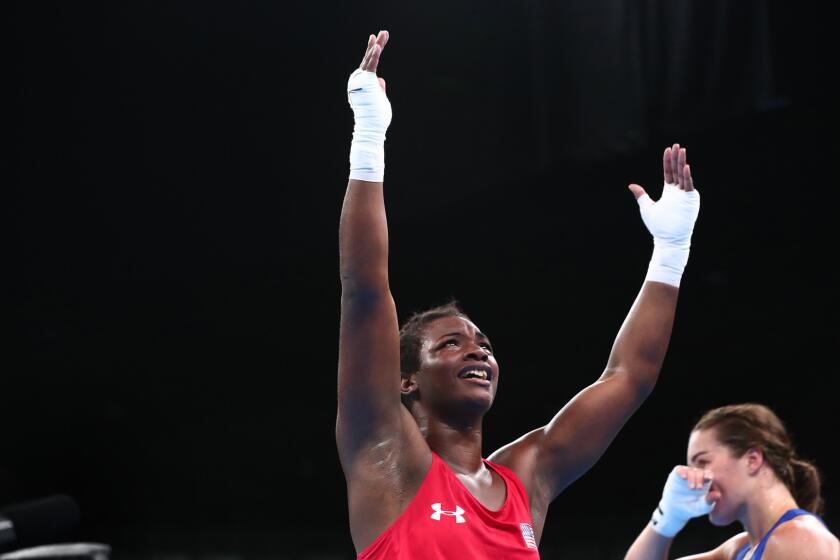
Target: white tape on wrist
{"points": [[679, 503], [372, 112], [667, 264], [670, 221]]}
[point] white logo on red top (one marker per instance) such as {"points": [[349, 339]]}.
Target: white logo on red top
{"points": [[458, 514]]}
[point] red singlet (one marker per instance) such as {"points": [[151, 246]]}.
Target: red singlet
{"points": [[444, 522]]}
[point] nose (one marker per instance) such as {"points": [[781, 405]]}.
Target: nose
{"points": [[476, 352]]}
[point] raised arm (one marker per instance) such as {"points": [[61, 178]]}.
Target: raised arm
{"points": [[550, 458], [368, 366], [382, 452]]}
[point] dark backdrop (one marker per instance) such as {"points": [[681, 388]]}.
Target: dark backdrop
{"points": [[173, 191]]}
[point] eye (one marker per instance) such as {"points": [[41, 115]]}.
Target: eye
{"points": [[450, 342], [486, 346]]}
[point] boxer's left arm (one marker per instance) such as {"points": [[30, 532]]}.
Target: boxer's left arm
{"points": [[552, 457]]}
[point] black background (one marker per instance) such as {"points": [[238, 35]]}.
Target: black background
{"points": [[174, 187]]}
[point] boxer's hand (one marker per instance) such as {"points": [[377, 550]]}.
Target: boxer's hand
{"points": [[370, 62], [670, 220], [372, 114], [684, 497]]}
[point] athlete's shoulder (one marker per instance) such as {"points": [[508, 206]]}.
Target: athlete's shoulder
{"points": [[802, 538], [519, 456]]}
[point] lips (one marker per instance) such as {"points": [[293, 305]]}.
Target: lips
{"points": [[477, 372]]}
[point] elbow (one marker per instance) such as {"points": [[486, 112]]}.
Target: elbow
{"points": [[364, 284], [365, 295], [644, 378], [644, 388], [639, 380]]}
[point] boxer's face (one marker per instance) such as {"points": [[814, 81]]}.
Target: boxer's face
{"points": [[458, 372], [731, 482]]}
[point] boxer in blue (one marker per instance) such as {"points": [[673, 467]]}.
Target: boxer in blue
{"points": [[742, 466]]}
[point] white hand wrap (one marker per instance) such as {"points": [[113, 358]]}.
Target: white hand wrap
{"points": [[372, 111], [671, 221], [679, 503]]}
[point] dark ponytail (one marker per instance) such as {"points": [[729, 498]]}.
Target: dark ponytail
{"points": [[807, 486]]}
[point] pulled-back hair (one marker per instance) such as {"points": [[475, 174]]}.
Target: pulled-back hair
{"points": [[742, 427], [411, 334]]}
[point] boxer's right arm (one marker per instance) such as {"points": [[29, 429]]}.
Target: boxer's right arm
{"points": [[382, 452], [368, 368], [650, 545]]}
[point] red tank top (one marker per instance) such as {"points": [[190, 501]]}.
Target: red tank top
{"points": [[444, 522]]}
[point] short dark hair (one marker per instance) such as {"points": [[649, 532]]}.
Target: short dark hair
{"points": [[742, 427], [411, 334]]}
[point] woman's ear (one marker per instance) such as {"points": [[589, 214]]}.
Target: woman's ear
{"points": [[755, 460]]}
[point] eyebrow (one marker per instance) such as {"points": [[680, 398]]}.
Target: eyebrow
{"points": [[696, 455], [478, 334]]}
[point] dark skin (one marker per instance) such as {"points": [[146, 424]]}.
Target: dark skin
{"points": [[386, 448]]}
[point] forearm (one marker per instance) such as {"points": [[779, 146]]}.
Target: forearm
{"points": [[368, 353], [363, 230], [642, 341], [363, 240], [649, 545], [640, 347]]}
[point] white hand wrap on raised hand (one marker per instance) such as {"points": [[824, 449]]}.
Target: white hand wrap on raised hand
{"points": [[679, 503], [372, 112], [671, 221]]}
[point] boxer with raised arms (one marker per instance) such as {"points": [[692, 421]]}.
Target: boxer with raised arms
{"points": [[411, 400]]}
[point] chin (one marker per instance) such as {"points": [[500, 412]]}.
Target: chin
{"points": [[482, 403], [720, 518]]}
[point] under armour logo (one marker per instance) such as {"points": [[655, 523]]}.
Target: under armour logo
{"points": [[458, 513]]}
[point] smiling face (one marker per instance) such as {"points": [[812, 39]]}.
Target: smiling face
{"points": [[458, 373], [734, 478]]}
